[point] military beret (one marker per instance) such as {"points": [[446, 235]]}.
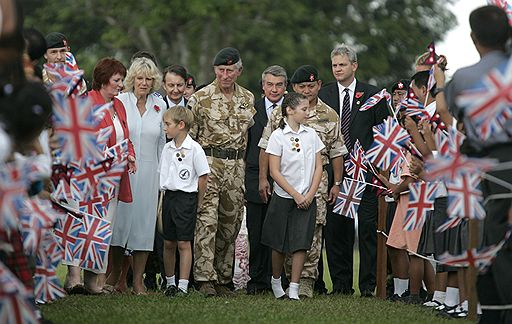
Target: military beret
{"points": [[226, 56], [56, 40], [305, 73], [191, 81], [401, 85]]}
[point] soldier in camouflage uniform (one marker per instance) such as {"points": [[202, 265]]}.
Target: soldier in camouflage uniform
{"points": [[325, 121], [223, 112]]}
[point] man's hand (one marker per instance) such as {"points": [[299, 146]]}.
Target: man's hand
{"points": [[333, 194]]}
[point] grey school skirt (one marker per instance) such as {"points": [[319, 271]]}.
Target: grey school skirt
{"points": [[288, 229]]}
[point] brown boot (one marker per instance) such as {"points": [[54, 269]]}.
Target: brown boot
{"points": [[207, 289], [224, 291]]}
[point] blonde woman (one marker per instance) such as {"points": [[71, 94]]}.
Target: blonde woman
{"points": [[135, 227]]}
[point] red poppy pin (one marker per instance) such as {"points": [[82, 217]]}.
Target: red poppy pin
{"points": [[359, 94], [157, 108]]}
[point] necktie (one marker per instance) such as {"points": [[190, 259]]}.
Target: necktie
{"points": [[271, 109], [345, 120]]}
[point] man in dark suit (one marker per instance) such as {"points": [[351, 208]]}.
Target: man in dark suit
{"points": [[273, 82], [345, 96]]}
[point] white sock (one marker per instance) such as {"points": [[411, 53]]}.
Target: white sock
{"points": [[183, 285], [452, 296], [171, 281], [277, 289], [403, 285], [396, 286], [464, 305], [293, 293], [478, 309], [439, 296]]}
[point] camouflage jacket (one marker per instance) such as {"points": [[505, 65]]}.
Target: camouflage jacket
{"points": [[219, 122]]}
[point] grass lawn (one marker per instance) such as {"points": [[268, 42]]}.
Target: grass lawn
{"points": [[156, 308]]}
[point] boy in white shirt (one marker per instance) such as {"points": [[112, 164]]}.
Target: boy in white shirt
{"points": [[183, 176]]}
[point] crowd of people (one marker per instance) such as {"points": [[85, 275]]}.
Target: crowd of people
{"points": [[199, 159]]}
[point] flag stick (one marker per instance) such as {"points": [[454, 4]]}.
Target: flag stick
{"points": [[472, 272], [381, 250]]}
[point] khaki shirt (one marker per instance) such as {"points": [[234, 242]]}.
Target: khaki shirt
{"points": [[219, 122], [324, 120]]}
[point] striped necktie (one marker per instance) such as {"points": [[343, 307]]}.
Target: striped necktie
{"points": [[345, 120]]}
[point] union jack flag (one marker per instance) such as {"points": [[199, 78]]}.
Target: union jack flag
{"points": [[93, 179], [47, 286], [449, 168], [99, 110], [349, 198], [50, 252], [450, 222], [97, 206], [118, 152], [448, 142], [373, 100], [15, 304], [413, 107], [102, 137], [488, 105], [356, 164], [421, 200], [66, 233], [75, 128], [13, 192], [465, 197], [479, 258], [387, 144], [92, 243], [67, 81]]}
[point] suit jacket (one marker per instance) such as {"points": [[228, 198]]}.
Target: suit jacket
{"points": [[253, 152], [361, 122], [125, 192]]}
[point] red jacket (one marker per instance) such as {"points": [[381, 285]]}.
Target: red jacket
{"points": [[125, 192]]}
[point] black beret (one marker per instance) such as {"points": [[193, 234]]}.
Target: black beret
{"points": [[56, 40], [305, 73], [226, 56], [191, 81], [401, 85]]}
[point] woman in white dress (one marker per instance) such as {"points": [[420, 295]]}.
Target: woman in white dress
{"points": [[135, 224]]}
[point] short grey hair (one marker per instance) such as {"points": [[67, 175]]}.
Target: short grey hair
{"points": [[277, 71], [239, 65], [345, 50]]}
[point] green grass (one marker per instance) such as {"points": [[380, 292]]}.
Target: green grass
{"points": [[194, 308]]}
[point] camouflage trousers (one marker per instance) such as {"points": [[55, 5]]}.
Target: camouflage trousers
{"points": [[218, 221], [310, 269]]}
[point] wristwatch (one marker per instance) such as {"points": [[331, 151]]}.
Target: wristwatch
{"points": [[337, 183], [437, 91]]}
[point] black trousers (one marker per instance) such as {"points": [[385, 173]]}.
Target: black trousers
{"points": [[495, 286], [260, 260], [339, 234]]}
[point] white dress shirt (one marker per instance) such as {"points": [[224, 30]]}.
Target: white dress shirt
{"points": [[172, 104], [351, 92], [268, 105]]}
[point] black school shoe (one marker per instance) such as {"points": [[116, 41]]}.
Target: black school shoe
{"points": [[171, 291]]}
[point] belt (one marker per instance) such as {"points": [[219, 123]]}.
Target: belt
{"points": [[230, 154]]}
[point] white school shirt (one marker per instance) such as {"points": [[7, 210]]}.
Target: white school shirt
{"points": [[297, 165], [181, 167]]}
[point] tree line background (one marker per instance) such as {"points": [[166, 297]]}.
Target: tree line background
{"points": [[388, 34]]}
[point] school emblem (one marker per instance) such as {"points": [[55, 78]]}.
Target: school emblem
{"points": [[184, 174]]}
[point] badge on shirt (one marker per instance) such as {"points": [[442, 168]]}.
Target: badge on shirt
{"points": [[295, 144], [184, 174]]}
